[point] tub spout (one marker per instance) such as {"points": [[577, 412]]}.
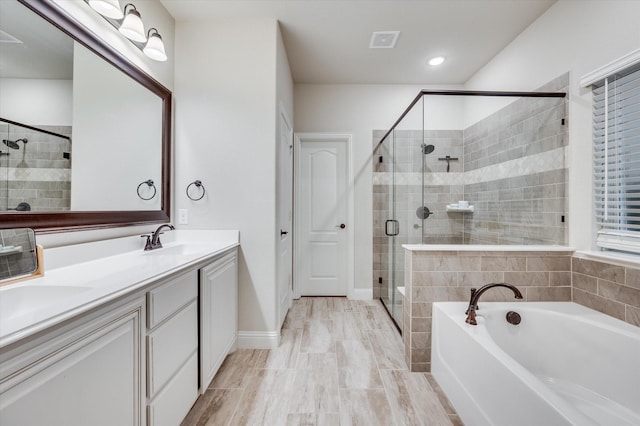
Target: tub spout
{"points": [[475, 295]]}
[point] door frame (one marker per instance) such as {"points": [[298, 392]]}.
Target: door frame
{"points": [[299, 139], [283, 117]]}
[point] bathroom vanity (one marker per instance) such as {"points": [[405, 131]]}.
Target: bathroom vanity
{"points": [[114, 335]]}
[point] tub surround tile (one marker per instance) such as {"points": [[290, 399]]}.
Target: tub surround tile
{"points": [[632, 315], [548, 294], [608, 288], [506, 263], [556, 263], [606, 306], [633, 278], [619, 293], [540, 276], [600, 270]]}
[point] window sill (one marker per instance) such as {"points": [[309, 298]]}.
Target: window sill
{"points": [[620, 259]]}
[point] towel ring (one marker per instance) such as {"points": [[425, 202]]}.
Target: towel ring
{"points": [[198, 184], [150, 184]]}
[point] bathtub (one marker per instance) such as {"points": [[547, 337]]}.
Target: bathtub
{"points": [[564, 364]]}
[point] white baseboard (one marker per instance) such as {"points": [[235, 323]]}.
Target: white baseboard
{"points": [[258, 339], [361, 294]]}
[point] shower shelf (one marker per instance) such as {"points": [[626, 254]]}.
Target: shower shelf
{"points": [[456, 209]]}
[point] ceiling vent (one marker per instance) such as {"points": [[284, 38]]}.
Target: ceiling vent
{"points": [[8, 38], [384, 39]]}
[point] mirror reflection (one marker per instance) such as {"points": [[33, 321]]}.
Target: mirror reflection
{"points": [[77, 133], [17, 252]]}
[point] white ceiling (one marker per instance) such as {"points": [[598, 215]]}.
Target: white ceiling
{"points": [[327, 41], [45, 51]]}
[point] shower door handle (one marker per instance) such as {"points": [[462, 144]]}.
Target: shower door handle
{"points": [[391, 228]]}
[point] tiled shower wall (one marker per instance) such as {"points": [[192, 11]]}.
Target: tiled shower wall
{"points": [[514, 172], [510, 167], [37, 173]]}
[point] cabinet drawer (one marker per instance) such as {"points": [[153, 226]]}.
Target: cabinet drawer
{"points": [[170, 346], [172, 405], [168, 298]]}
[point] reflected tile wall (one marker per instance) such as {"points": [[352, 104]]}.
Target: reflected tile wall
{"points": [[38, 172]]}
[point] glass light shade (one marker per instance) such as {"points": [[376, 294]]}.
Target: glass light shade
{"points": [[132, 26], [155, 47], [109, 8]]}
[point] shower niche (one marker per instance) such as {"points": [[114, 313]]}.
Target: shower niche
{"points": [[502, 154], [35, 167]]}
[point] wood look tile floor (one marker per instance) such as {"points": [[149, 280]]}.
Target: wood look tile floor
{"points": [[340, 362]]}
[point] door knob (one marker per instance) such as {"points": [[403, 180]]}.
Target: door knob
{"points": [[341, 226]]}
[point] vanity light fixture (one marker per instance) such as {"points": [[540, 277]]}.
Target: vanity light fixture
{"points": [[109, 8], [155, 47], [132, 26], [436, 61]]}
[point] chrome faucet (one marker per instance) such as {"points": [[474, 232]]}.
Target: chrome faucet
{"points": [[475, 295], [153, 240]]}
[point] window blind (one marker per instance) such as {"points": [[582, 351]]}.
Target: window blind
{"points": [[616, 139]]}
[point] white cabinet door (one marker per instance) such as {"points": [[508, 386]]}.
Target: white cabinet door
{"points": [[218, 315], [96, 379]]}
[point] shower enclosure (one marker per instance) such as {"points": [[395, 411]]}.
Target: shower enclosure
{"points": [[461, 167], [35, 167]]}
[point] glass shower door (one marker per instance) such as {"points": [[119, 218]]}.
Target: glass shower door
{"points": [[4, 167]]}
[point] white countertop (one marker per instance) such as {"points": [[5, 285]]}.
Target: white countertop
{"points": [[83, 276], [484, 247]]}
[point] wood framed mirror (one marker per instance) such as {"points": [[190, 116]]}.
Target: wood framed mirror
{"points": [[111, 211]]}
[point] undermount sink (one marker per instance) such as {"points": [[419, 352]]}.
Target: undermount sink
{"points": [[20, 300]]}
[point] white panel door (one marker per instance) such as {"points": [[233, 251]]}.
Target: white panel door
{"points": [[284, 206], [321, 212]]}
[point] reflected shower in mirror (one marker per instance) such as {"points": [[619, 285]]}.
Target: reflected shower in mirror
{"points": [[81, 125]]}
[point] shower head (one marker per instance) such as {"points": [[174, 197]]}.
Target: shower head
{"points": [[14, 144], [427, 149]]}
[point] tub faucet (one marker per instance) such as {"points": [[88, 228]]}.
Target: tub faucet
{"points": [[153, 240], [475, 295]]}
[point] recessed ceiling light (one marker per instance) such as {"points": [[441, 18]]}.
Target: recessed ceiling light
{"points": [[436, 61]]}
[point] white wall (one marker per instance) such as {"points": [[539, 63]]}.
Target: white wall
{"points": [[36, 101], [358, 110], [230, 76], [574, 36], [117, 135]]}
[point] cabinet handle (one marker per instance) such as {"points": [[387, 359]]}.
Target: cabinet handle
{"points": [[283, 232]]}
